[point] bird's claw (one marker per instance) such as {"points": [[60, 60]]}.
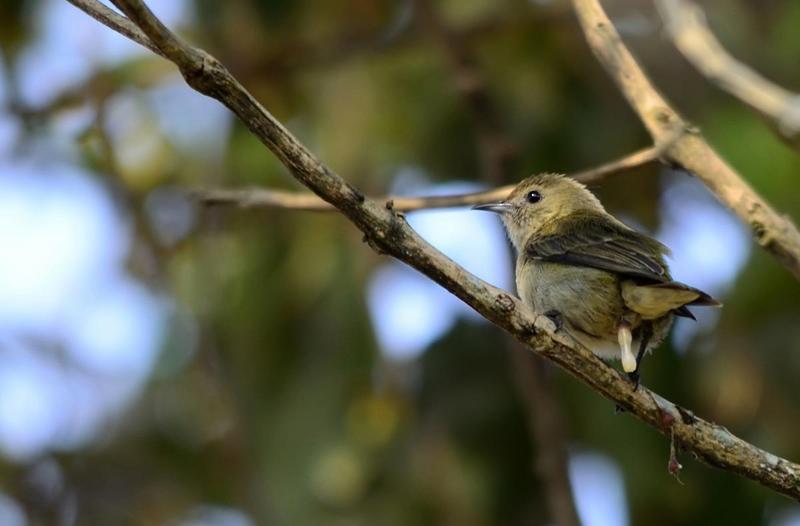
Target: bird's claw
{"points": [[555, 316], [635, 377]]}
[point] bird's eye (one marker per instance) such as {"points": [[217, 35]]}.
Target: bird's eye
{"points": [[533, 197]]}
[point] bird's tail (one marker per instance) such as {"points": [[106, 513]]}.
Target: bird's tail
{"points": [[655, 300]]}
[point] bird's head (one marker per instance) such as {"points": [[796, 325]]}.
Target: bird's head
{"points": [[537, 204]]}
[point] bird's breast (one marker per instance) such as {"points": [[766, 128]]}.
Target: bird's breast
{"points": [[588, 299]]}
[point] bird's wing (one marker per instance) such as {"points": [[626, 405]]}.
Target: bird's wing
{"points": [[592, 240]]}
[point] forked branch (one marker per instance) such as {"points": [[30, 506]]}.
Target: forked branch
{"points": [[776, 233], [686, 24]]}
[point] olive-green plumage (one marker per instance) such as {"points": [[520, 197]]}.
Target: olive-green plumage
{"points": [[579, 264]]}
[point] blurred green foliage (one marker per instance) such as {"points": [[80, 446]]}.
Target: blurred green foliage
{"points": [[287, 409]]}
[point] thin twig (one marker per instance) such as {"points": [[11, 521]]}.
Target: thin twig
{"points": [[267, 198], [387, 231], [776, 233], [624, 164], [686, 24], [186, 57], [110, 18]]}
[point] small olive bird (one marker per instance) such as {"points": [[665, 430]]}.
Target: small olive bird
{"points": [[606, 284]]}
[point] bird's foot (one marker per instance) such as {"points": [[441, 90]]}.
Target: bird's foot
{"points": [[556, 318], [635, 377]]}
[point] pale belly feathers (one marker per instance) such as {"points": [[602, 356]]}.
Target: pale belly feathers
{"points": [[589, 301]]}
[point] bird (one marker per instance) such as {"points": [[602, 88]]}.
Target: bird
{"points": [[606, 284]]}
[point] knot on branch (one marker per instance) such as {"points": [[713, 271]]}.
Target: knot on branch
{"points": [[761, 233], [359, 195], [204, 72], [687, 417], [671, 122], [396, 213], [376, 242], [504, 303], [666, 419]]}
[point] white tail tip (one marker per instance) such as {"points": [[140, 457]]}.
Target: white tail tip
{"points": [[626, 354]]}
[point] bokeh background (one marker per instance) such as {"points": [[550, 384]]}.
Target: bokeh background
{"points": [[166, 363]]}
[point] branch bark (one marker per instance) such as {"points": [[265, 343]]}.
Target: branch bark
{"points": [[386, 231], [775, 233], [267, 198], [686, 24]]}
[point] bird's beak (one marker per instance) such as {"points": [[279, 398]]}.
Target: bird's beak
{"points": [[498, 208]]}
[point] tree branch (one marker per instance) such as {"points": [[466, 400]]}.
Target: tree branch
{"points": [[776, 233], [686, 24], [267, 198], [386, 231], [186, 57]]}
